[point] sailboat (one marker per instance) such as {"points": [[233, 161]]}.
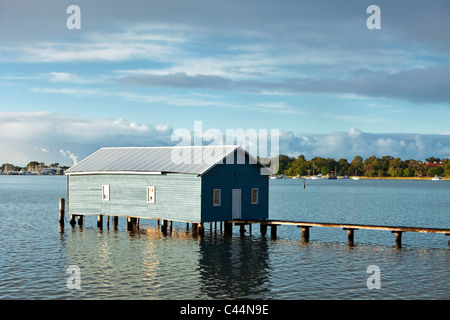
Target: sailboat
{"points": [[319, 176], [355, 177]]}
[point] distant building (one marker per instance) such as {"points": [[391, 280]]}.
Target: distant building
{"points": [[193, 184]]}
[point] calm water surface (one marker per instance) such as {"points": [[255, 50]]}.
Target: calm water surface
{"points": [[115, 264]]}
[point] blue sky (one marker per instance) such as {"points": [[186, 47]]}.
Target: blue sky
{"points": [[137, 70]]}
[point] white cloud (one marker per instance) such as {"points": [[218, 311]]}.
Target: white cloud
{"points": [[355, 142], [65, 138], [69, 91]]}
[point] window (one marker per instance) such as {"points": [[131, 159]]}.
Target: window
{"points": [[105, 192], [255, 196], [217, 197], [151, 192]]}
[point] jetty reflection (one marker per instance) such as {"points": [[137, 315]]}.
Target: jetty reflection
{"points": [[212, 266]]}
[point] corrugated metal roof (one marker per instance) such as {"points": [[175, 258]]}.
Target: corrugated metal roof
{"points": [[196, 160]]}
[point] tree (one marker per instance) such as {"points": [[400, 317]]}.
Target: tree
{"points": [[7, 167], [32, 166], [284, 162], [408, 172], [343, 166], [371, 165], [432, 160], [396, 167], [356, 164]]}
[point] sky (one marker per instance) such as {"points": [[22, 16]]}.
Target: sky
{"points": [[136, 71]]}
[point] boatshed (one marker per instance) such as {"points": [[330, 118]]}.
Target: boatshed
{"points": [[192, 184]]}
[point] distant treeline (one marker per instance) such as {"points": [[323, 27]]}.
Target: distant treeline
{"points": [[31, 166], [386, 166]]}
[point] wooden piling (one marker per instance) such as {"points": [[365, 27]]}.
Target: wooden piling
{"points": [[305, 234], [398, 238], [228, 226], [242, 229], [72, 220], [132, 223], [273, 231], [100, 221], [115, 222], [263, 229], [351, 235], [62, 205], [164, 225], [80, 220]]}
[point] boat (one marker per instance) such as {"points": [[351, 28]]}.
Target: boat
{"points": [[276, 177], [437, 178], [318, 177], [344, 177], [332, 174], [355, 177], [297, 177]]}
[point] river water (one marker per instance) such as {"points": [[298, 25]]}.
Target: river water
{"points": [[116, 264]]}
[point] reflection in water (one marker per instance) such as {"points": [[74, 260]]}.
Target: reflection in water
{"points": [[234, 268], [146, 264], [150, 265]]}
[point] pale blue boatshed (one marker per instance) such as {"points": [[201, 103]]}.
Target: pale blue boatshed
{"points": [[192, 184]]}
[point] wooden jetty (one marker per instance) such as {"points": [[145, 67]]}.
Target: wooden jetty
{"points": [[198, 228], [350, 228]]}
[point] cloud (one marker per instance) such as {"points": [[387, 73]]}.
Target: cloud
{"points": [[177, 80], [69, 91], [64, 138], [48, 137], [349, 144]]}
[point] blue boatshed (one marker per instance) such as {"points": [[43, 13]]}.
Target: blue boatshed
{"points": [[192, 184]]}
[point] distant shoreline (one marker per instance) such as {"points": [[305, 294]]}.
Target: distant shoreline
{"points": [[376, 178]]}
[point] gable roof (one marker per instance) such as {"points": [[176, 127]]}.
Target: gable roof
{"points": [[156, 160]]}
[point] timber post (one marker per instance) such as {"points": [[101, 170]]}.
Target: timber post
{"points": [[100, 221], [242, 229], [132, 223], [305, 234], [164, 226], [351, 235], [228, 226], [263, 229], [398, 238], [273, 231], [62, 205], [115, 222]]}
